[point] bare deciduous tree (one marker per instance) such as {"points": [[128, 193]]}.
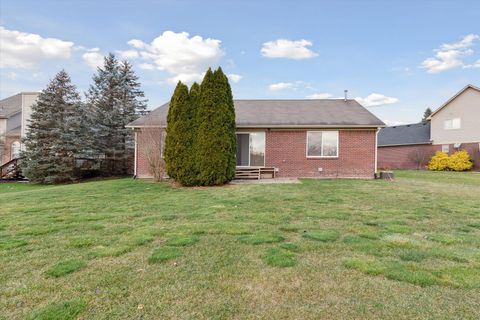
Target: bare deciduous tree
{"points": [[151, 140], [419, 157]]}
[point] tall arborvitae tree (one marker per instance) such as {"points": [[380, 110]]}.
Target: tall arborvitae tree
{"points": [[215, 144], [175, 146], [114, 100], [426, 114], [51, 142]]}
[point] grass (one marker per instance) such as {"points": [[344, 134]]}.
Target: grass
{"points": [[65, 267], [279, 258], [322, 235], [344, 249], [60, 311], [163, 254]]}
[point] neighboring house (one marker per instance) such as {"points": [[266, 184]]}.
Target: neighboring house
{"points": [[14, 114], [297, 138], [453, 126]]}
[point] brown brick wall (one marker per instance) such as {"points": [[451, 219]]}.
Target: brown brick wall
{"points": [[399, 157], [146, 138], [7, 152], [286, 150]]}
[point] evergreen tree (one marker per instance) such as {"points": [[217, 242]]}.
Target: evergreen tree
{"points": [[51, 141], [215, 143], [177, 119], [114, 100], [132, 104], [426, 114]]}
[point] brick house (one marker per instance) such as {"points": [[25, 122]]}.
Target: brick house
{"points": [[295, 138], [14, 114], [453, 126]]}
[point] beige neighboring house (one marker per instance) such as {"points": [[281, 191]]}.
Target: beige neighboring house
{"points": [[457, 121], [455, 125], [15, 112]]}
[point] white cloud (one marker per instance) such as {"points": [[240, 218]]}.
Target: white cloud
{"points": [[26, 50], [376, 99], [284, 48], [320, 96], [234, 77], [93, 58], [127, 54], [450, 55], [185, 58], [280, 86]]}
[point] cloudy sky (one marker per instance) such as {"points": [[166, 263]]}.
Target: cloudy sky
{"points": [[396, 57]]}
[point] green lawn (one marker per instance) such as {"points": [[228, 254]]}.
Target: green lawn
{"points": [[344, 249]]}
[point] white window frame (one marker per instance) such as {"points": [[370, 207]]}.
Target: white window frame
{"points": [[449, 124], [322, 156], [249, 154], [19, 149]]}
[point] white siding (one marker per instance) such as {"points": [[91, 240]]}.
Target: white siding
{"points": [[465, 107]]}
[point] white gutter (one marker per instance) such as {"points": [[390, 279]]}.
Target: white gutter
{"points": [[135, 158], [376, 150]]}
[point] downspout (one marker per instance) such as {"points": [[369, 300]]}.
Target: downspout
{"points": [[135, 157], [376, 150]]}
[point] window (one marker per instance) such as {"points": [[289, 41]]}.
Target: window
{"points": [[452, 124], [322, 144], [251, 149], [15, 150], [445, 148]]}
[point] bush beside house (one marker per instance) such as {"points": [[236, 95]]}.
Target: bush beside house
{"points": [[459, 161]]}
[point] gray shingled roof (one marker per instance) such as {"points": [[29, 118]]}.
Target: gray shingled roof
{"points": [[285, 113], [416, 133], [10, 105]]}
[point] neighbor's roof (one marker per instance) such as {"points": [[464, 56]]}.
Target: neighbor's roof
{"points": [[284, 114], [13, 104], [469, 86], [416, 133], [14, 132]]}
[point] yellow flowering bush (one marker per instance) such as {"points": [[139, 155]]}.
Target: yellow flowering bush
{"points": [[439, 162], [460, 161]]}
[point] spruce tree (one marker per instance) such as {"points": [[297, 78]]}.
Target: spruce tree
{"points": [[51, 142], [426, 114], [215, 143], [114, 100], [132, 104]]}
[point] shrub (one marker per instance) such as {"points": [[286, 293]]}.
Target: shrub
{"points": [[439, 162], [460, 161]]}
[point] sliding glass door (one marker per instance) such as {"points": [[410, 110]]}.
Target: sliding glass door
{"points": [[251, 149]]}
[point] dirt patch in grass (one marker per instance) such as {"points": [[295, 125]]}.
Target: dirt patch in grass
{"points": [[65, 267], [322, 235], [163, 254], [277, 257], [260, 238], [66, 310]]}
